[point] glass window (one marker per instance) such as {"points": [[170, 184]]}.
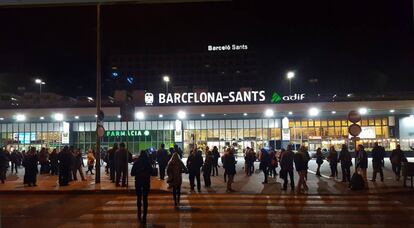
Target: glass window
{"points": [[330, 123], [371, 122], [222, 124], [385, 132], [384, 121], [266, 123], [259, 123], [142, 125], [337, 123], [234, 124], [291, 123], [50, 126], [378, 121], [106, 125], [130, 125], [228, 124], [344, 123], [197, 124], [324, 123], [93, 126], [87, 126], [147, 125], [75, 127], [304, 123], [215, 124], [136, 125], [317, 123], [239, 124], [209, 124], [310, 123], [378, 131], [246, 124]]}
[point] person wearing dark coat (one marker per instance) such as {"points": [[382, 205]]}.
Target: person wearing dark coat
{"points": [[264, 164], [141, 170], [333, 161], [111, 162], [162, 159], [175, 170], [216, 156], [3, 165], [30, 162], [121, 164], [377, 153], [44, 161], [78, 165], [345, 159], [361, 162], [319, 161], [54, 162], [207, 167], [64, 165], [194, 163], [301, 168], [178, 150], [230, 167], [397, 157], [16, 160], [286, 167]]}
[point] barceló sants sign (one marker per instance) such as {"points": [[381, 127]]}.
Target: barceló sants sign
{"points": [[232, 97]]}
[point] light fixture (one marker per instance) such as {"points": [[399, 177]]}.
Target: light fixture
{"points": [[244, 114], [203, 115], [96, 116], [224, 114], [119, 116], [42, 118], [20, 117], [181, 114], [290, 75], [290, 113], [77, 117], [392, 110], [139, 115], [333, 112], [349, 95], [313, 111], [363, 111], [38, 81], [58, 116], [1, 118], [160, 116], [269, 113], [166, 78]]}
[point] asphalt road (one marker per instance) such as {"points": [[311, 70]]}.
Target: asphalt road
{"points": [[208, 210]]}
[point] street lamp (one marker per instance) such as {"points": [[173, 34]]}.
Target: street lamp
{"points": [[166, 79], [289, 76], [40, 82]]}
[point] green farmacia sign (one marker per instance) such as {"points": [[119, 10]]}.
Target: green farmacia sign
{"points": [[127, 133]]}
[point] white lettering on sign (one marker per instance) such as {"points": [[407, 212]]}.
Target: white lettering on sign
{"points": [[211, 97], [295, 97], [228, 47]]}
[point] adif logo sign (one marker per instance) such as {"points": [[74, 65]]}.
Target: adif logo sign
{"points": [[149, 98], [276, 98]]}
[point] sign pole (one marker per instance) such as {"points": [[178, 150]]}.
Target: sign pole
{"points": [[98, 93]]}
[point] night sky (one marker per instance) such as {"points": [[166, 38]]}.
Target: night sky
{"points": [[349, 46]]}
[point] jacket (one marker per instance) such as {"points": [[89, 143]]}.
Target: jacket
{"points": [[175, 168], [397, 156], [300, 162], [286, 160], [141, 170], [378, 154], [162, 157], [361, 159], [345, 158], [229, 164], [121, 159], [194, 162]]}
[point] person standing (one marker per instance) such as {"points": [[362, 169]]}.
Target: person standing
{"points": [[141, 170], [216, 156], [300, 164], [223, 161], [346, 162], [162, 159], [54, 162], [111, 162], [333, 161], [30, 162], [178, 150], [44, 161], [15, 160], [194, 163], [65, 159], [230, 167], [362, 162], [264, 165], [273, 163], [397, 157], [286, 166], [207, 166], [121, 164], [377, 161], [319, 161], [78, 165], [91, 162], [306, 157], [175, 168], [3, 166]]}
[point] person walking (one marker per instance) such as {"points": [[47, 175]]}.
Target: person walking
{"points": [[207, 167], [223, 161], [286, 167], [54, 163], [273, 163], [178, 150], [345, 159], [162, 159], [300, 164], [362, 162], [333, 161], [65, 160], [91, 162], [230, 167], [397, 157], [121, 164], [378, 154], [216, 156], [141, 170], [319, 161], [111, 162], [3, 165], [30, 162], [78, 165], [194, 163], [175, 169], [264, 165], [16, 160]]}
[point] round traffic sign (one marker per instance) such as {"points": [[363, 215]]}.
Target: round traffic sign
{"points": [[354, 130], [354, 116], [101, 131]]}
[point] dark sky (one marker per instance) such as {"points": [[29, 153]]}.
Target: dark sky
{"points": [[347, 45]]}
